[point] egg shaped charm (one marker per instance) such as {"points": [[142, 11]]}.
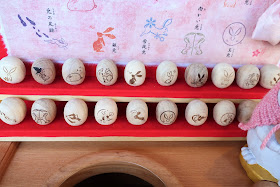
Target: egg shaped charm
{"points": [[73, 71], [106, 111], [224, 112], [270, 75], [196, 112], [166, 112], [75, 112], [223, 75], [167, 73], [137, 112], [43, 71], [12, 110], [43, 111], [107, 72], [196, 75], [12, 70], [247, 76], [245, 110], [135, 73]]}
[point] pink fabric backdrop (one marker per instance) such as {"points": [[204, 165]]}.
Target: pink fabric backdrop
{"points": [[183, 31]]}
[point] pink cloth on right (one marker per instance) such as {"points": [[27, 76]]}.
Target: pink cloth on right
{"points": [[267, 112], [268, 25]]}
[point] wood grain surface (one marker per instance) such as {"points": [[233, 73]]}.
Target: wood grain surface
{"points": [[7, 151], [193, 163]]}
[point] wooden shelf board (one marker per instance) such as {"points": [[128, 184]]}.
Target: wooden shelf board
{"points": [[91, 91], [150, 91], [121, 129]]}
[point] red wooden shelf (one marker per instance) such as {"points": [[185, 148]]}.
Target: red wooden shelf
{"points": [[150, 91], [121, 128], [180, 92]]}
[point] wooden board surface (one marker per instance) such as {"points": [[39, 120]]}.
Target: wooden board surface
{"points": [[193, 163], [7, 150]]}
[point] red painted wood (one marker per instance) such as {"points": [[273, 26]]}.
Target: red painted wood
{"points": [[91, 87], [3, 50], [59, 128]]}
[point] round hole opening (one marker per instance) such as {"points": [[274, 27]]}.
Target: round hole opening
{"points": [[114, 174], [114, 179]]}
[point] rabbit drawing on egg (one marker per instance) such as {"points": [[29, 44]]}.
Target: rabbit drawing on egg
{"points": [[9, 77]]}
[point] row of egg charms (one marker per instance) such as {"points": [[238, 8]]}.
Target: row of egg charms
{"points": [[12, 70], [43, 112]]}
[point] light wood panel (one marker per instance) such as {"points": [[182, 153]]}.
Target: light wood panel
{"points": [[122, 138], [119, 99], [193, 163]]}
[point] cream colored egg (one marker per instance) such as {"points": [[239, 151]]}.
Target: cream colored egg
{"points": [[247, 76], [107, 72], [73, 71], [224, 112], [75, 112], [196, 112], [222, 75], [12, 110], [137, 112], [12, 70], [245, 110], [106, 111], [43, 111], [196, 75], [135, 73], [43, 71], [166, 112], [270, 76], [167, 73]]}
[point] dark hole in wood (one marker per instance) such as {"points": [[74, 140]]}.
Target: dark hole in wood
{"points": [[113, 179]]}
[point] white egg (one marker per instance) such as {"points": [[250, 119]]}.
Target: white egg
{"points": [[223, 75], [75, 112], [224, 112], [43, 111], [135, 73], [196, 75], [245, 110], [247, 76], [196, 112], [43, 71], [107, 72], [166, 112], [137, 112], [12, 110], [106, 111], [167, 73], [12, 70], [270, 76], [73, 71]]}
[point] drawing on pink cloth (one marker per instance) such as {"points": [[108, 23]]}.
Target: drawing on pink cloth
{"points": [[258, 52], [61, 43], [234, 33], [99, 43], [230, 3], [194, 42], [158, 32], [81, 5]]}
